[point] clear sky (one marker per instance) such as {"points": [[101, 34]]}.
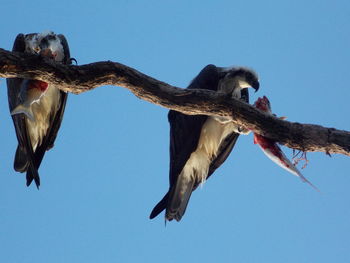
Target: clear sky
{"points": [[109, 166]]}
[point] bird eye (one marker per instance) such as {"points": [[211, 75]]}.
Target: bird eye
{"points": [[37, 49]]}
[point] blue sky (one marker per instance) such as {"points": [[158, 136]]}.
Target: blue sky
{"points": [[109, 166]]}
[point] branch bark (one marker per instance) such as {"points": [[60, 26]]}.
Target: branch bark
{"points": [[78, 79]]}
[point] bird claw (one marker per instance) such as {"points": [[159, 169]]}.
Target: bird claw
{"points": [[73, 59], [302, 157]]}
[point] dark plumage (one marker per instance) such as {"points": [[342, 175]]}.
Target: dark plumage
{"points": [[200, 144], [37, 136]]}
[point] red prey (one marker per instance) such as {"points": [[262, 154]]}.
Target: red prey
{"points": [[271, 148]]}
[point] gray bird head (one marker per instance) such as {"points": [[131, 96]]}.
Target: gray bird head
{"points": [[234, 79], [47, 44]]}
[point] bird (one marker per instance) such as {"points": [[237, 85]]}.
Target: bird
{"points": [[36, 107], [200, 144]]}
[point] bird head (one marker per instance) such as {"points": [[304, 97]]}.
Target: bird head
{"points": [[47, 44], [245, 78], [235, 79]]}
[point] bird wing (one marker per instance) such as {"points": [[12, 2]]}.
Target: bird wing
{"points": [[24, 155], [185, 132], [184, 136]]}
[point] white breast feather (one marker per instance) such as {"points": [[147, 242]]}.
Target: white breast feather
{"points": [[56, 47], [214, 131], [212, 134], [48, 104]]}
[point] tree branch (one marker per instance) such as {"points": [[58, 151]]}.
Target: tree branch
{"points": [[78, 79]]}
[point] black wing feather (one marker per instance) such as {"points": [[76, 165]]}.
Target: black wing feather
{"points": [[184, 136], [66, 51], [185, 129], [19, 44]]}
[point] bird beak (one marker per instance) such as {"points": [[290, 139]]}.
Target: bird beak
{"points": [[47, 53], [256, 86]]}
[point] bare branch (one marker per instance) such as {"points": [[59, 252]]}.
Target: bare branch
{"points": [[78, 79]]}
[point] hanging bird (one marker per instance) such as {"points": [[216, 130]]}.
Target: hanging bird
{"points": [[36, 107], [31, 92], [271, 148], [199, 144]]}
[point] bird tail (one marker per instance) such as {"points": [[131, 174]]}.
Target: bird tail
{"points": [[21, 161], [179, 197], [25, 110], [23, 164], [160, 206], [176, 200], [32, 174]]}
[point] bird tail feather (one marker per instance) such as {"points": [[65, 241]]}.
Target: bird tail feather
{"points": [[178, 199], [32, 174], [160, 206], [21, 161]]}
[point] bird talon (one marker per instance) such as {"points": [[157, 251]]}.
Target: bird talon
{"points": [[73, 59]]}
